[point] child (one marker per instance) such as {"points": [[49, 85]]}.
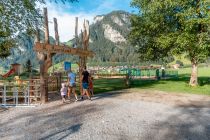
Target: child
{"points": [[63, 92], [91, 86]]}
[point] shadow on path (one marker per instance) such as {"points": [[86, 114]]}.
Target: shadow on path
{"points": [[185, 123]]}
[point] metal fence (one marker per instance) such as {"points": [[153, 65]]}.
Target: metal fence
{"points": [[12, 95]]}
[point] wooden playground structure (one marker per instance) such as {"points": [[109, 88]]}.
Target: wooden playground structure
{"points": [[37, 88], [45, 52]]}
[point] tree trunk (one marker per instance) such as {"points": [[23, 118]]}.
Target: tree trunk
{"points": [[194, 75]]}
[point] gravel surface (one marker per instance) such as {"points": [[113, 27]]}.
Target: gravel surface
{"points": [[119, 115]]}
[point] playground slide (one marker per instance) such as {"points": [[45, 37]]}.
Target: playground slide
{"points": [[10, 72]]}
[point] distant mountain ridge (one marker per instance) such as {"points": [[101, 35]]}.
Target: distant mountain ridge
{"points": [[108, 39]]}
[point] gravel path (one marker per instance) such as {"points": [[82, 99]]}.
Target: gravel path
{"points": [[119, 115]]}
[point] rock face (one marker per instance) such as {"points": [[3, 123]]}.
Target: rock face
{"points": [[113, 35], [108, 39], [98, 18]]}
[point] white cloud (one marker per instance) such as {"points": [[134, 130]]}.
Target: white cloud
{"points": [[65, 20]]}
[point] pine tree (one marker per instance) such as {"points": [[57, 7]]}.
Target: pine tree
{"points": [[28, 66]]}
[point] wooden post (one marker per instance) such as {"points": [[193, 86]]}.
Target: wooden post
{"points": [[43, 60], [56, 32], [80, 64], [44, 95], [85, 44], [76, 29], [86, 38], [46, 26], [80, 58]]}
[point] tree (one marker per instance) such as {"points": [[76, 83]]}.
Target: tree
{"points": [[28, 65], [18, 16], [172, 27]]}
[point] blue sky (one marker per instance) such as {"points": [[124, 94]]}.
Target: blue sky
{"points": [[100, 6], [84, 9]]}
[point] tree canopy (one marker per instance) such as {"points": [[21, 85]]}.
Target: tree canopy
{"points": [[171, 27], [17, 16]]}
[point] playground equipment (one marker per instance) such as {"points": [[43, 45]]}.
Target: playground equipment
{"points": [[14, 70], [10, 72], [18, 81], [46, 51]]}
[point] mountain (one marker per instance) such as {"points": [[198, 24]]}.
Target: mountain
{"points": [[21, 53], [108, 39]]}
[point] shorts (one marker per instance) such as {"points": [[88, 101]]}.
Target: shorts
{"points": [[85, 85], [72, 84]]}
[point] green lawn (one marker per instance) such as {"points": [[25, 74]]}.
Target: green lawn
{"points": [[104, 85], [179, 84], [202, 72]]}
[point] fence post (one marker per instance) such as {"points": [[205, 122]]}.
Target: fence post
{"points": [[16, 95], [25, 96], [157, 74], [57, 83], [28, 92], [163, 73], [4, 96]]}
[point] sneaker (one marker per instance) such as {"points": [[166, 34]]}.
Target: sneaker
{"points": [[76, 100]]}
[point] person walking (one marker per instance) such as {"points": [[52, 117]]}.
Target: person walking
{"points": [[85, 80], [90, 84], [72, 84], [63, 92]]}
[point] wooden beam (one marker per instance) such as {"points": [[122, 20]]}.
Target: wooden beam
{"points": [[48, 48]]}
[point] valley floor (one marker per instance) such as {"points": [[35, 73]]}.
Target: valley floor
{"points": [[125, 115]]}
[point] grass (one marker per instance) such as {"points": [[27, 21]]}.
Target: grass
{"points": [[173, 85], [202, 71], [105, 85], [177, 85]]}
